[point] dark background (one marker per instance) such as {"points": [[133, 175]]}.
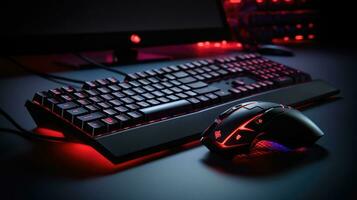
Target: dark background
{"points": [[338, 23], [43, 170]]}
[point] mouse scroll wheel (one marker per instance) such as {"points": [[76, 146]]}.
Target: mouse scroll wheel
{"points": [[228, 112]]}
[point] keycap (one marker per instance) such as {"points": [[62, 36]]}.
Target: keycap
{"points": [[55, 92], [103, 90], [70, 114], [94, 128], [187, 80], [89, 85], [196, 85], [104, 105], [132, 106], [109, 112], [180, 74], [123, 119], [121, 109], [59, 108], [223, 95], [195, 102], [204, 100], [91, 108], [206, 90], [68, 89], [80, 120], [102, 82], [40, 97], [115, 102], [143, 104], [166, 109], [110, 123], [285, 80], [214, 98], [51, 103], [66, 97], [83, 102], [136, 117]]}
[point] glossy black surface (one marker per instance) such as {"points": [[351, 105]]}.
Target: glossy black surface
{"points": [[48, 170], [236, 131], [275, 50]]}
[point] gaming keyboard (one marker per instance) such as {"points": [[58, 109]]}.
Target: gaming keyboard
{"points": [[155, 108]]}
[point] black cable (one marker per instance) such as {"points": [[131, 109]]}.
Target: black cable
{"points": [[43, 75], [99, 65], [23, 132]]}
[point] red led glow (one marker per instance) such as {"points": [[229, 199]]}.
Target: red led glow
{"points": [[298, 26], [219, 44], [81, 160], [260, 1], [286, 38], [134, 38], [239, 128], [235, 1], [49, 132], [311, 25], [217, 134], [299, 37], [275, 1], [238, 137], [239, 45], [311, 36]]}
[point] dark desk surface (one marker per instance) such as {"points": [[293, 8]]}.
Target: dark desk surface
{"points": [[67, 171]]}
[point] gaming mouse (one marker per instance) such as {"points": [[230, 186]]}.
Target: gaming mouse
{"points": [[242, 126], [276, 50]]}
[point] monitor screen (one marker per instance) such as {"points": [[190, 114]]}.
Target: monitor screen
{"points": [[82, 24]]}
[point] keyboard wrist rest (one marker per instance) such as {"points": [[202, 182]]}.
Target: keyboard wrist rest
{"points": [[131, 143]]}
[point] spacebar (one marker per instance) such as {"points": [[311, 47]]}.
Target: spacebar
{"points": [[165, 110]]}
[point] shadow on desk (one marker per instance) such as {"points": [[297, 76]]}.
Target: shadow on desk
{"points": [[265, 159]]}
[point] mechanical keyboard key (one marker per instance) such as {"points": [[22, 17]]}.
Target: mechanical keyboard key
{"points": [[180, 74], [204, 100], [70, 114], [111, 123], [195, 102], [197, 85], [80, 120], [206, 90], [40, 97], [123, 119], [283, 81], [187, 80], [136, 117], [59, 108], [50, 103], [94, 128], [223, 95], [166, 109]]}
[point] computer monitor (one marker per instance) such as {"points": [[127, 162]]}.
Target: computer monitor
{"points": [[57, 26]]}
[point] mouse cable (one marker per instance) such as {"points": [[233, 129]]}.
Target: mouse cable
{"points": [[23, 132], [43, 75], [99, 65]]}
